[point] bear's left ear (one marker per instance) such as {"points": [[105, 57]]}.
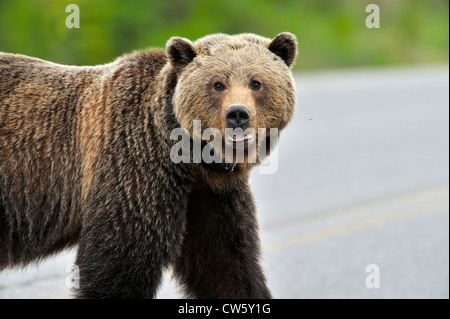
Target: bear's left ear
{"points": [[285, 46], [180, 52]]}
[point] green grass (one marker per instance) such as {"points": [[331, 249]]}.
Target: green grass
{"points": [[331, 34]]}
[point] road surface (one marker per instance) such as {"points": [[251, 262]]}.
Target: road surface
{"points": [[359, 205]]}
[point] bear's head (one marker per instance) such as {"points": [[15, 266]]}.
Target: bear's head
{"points": [[240, 85]]}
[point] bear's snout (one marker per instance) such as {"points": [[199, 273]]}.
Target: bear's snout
{"points": [[237, 116]]}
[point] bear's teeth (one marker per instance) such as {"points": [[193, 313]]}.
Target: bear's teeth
{"points": [[240, 137]]}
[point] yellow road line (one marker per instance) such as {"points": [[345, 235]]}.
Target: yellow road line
{"points": [[413, 198], [405, 214], [402, 200]]}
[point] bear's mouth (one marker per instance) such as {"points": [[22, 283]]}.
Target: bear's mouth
{"points": [[234, 137]]}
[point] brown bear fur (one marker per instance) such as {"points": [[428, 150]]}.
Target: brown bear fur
{"points": [[85, 159]]}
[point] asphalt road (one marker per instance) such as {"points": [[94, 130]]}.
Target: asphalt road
{"points": [[362, 179]]}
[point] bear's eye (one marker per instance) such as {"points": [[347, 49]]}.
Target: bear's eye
{"points": [[219, 86], [255, 85]]}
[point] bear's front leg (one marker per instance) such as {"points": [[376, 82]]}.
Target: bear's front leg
{"points": [[221, 249], [131, 232]]}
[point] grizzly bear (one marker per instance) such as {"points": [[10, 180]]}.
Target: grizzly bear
{"points": [[85, 159]]}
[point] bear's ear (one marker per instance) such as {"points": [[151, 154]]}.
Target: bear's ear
{"points": [[180, 52], [285, 46]]}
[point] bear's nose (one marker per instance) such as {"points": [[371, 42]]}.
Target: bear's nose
{"points": [[237, 116]]}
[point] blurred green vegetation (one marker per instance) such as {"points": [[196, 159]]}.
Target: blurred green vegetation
{"points": [[331, 33]]}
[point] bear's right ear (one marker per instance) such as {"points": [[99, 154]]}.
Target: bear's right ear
{"points": [[180, 52]]}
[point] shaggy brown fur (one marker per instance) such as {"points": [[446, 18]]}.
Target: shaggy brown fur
{"points": [[85, 158]]}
